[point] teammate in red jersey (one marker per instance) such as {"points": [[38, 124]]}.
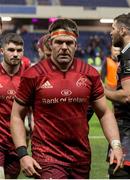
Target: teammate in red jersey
{"points": [[26, 62], [59, 90], [43, 47], [10, 73]]}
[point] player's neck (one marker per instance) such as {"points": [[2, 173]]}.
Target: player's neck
{"points": [[64, 67], [11, 70]]}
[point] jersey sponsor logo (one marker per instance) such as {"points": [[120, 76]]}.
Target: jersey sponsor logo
{"points": [[64, 100], [9, 96], [66, 92], [1, 86], [11, 92], [47, 85], [82, 82]]}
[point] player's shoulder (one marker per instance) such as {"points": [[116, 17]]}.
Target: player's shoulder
{"points": [[2, 71], [0, 68], [35, 70], [86, 68]]}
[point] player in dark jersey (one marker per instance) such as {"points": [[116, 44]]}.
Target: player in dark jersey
{"points": [[120, 34], [59, 90], [10, 73]]}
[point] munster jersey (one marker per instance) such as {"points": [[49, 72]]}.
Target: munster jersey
{"points": [[60, 101], [26, 62], [8, 86]]}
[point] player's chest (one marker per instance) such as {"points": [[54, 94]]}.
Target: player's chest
{"points": [[8, 85], [68, 85]]}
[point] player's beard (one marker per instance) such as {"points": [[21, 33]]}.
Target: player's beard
{"points": [[63, 62], [117, 41], [12, 61]]}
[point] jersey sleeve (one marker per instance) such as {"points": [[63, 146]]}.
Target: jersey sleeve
{"points": [[124, 59], [97, 87], [25, 92], [125, 72], [26, 62]]}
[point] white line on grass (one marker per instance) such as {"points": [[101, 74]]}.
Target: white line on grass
{"points": [[96, 137]]}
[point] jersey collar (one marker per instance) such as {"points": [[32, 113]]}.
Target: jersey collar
{"points": [[125, 48]]}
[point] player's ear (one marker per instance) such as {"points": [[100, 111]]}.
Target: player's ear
{"points": [[1, 51], [76, 44], [123, 31]]}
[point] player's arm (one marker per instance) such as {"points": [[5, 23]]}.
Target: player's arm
{"points": [[121, 95], [104, 70], [17, 124], [107, 119], [110, 129], [28, 164]]}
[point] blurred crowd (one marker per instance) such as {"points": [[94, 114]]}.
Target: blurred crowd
{"points": [[92, 47]]}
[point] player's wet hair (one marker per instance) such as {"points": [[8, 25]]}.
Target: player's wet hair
{"points": [[123, 19], [65, 24], [44, 41], [12, 37]]}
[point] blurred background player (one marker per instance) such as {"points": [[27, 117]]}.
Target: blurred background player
{"points": [[109, 68], [43, 47], [26, 62], [10, 72]]}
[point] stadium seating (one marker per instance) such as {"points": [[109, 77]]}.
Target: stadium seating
{"points": [[31, 39], [13, 2], [109, 3], [95, 3], [44, 2], [74, 3]]}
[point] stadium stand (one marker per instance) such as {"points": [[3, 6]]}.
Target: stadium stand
{"points": [[13, 2], [110, 3], [95, 3], [30, 41], [92, 43], [44, 2], [73, 3], [87, 41]]}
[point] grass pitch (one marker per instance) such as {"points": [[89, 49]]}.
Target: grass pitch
{"points": [[99, 150]]}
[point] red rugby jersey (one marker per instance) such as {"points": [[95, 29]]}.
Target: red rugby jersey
{"points": [[60, 102], [8, 86], [25, 62]]}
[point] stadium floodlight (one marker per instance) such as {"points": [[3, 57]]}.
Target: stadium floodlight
{"points": [[106, 20], [52, 19], [6, 18]]}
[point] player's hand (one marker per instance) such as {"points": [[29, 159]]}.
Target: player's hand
{"points": [[29, 166], [116, 156]]}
